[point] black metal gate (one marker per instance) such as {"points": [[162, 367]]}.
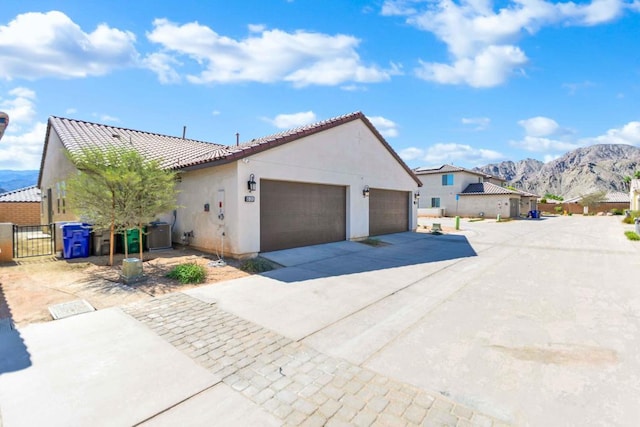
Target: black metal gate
{"points": [[33, 240]]}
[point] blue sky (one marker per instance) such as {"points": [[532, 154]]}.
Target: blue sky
{"points": [[462, 82]]}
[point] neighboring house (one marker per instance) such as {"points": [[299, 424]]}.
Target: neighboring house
{"points": [[451, 190], [330, 181], [490, 200], [634, 195], [21, 207], [612, 200]]}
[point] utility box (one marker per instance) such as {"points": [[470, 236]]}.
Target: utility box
{"points": [[159, 236], [131, 270]]}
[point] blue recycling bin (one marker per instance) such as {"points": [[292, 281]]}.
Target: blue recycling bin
{"points": [[75, 240]]}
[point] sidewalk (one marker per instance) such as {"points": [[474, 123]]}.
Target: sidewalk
{"points": [[188, 362]]}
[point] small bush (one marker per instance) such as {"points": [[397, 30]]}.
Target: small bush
{"points": [[617, 211], [632, 235], [630, 219], [256, 265], [372, 242], [188, 273], [558, 209]]}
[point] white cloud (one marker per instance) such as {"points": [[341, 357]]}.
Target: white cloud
{"points": [[539, 126], [481, 38], [479, 123], [544, 145], [488, 68], [386, 127], [550, 157], [23, 151], [21, 146], [288, 121], [627, 134], [36, 45], [20, 108], [451, 153], [105, 118], [70, 111], [574, 87], [540, 133], [411, 153], [257, 28], [302, 58], [163, 65]]}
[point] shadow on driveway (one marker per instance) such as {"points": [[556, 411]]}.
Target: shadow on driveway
{"points": [[335, 259], [13, 352]]}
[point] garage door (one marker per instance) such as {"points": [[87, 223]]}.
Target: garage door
{"points": [[388, 211], [294, 214]]}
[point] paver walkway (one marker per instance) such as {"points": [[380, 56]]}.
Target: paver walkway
{"points": [[292, 381]]}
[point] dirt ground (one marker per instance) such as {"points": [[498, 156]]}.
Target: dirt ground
{"points": [[30, 286]]}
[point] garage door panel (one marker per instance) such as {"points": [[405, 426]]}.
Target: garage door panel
{"points": [[294, 214], [388, 211]]}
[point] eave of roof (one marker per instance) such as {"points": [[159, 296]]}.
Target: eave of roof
{"points": [[490, 189], [258, 145], [189, 154], [453, 169], [29, 194]]}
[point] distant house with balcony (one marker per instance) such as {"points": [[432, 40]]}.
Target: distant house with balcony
{"points": [[455, 191]]}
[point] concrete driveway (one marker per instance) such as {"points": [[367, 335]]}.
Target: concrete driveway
{"points": [[533, 322], [530, 323]]}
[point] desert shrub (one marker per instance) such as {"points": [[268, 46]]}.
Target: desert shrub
{"points": [[558, 209], [630, 219], [188, 273], [617, 211], [632, 235], [256, 265], [372, 241]]}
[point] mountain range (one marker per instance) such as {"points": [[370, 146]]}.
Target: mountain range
{"points": [[582, 171], [12, 180]]}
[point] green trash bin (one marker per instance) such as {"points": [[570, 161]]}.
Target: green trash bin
{"points": [[132, 240]]}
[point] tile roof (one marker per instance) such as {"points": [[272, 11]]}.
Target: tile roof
{"points": [[22, 195], [612, 197], [616, 197], [171, 151], [487, 188], [177, 153], [451, 169]]}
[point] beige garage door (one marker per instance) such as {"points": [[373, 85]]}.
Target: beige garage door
{"points": [[388, 211], [294, 214]]}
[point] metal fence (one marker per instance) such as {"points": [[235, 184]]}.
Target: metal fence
{"points": [[33, 240]]}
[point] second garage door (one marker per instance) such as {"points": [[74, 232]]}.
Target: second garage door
{"points": [[388, 211], [294, 214]]}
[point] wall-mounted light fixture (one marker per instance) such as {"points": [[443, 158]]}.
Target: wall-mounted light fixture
{"points": [[416, 197], [365, 191], [251, 184]]}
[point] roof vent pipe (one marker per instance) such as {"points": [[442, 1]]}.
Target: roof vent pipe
{"points": [[237, 139], [184, 131]]}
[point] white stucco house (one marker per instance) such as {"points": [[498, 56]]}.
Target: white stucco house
{"points": [[634, 195], [329, 181], [455, 191]]}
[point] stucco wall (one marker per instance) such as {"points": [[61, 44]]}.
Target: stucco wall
{"points": [[208, 186], [57, 169], [432, 187], [20, 213], [490, 205], [347, 155]]}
